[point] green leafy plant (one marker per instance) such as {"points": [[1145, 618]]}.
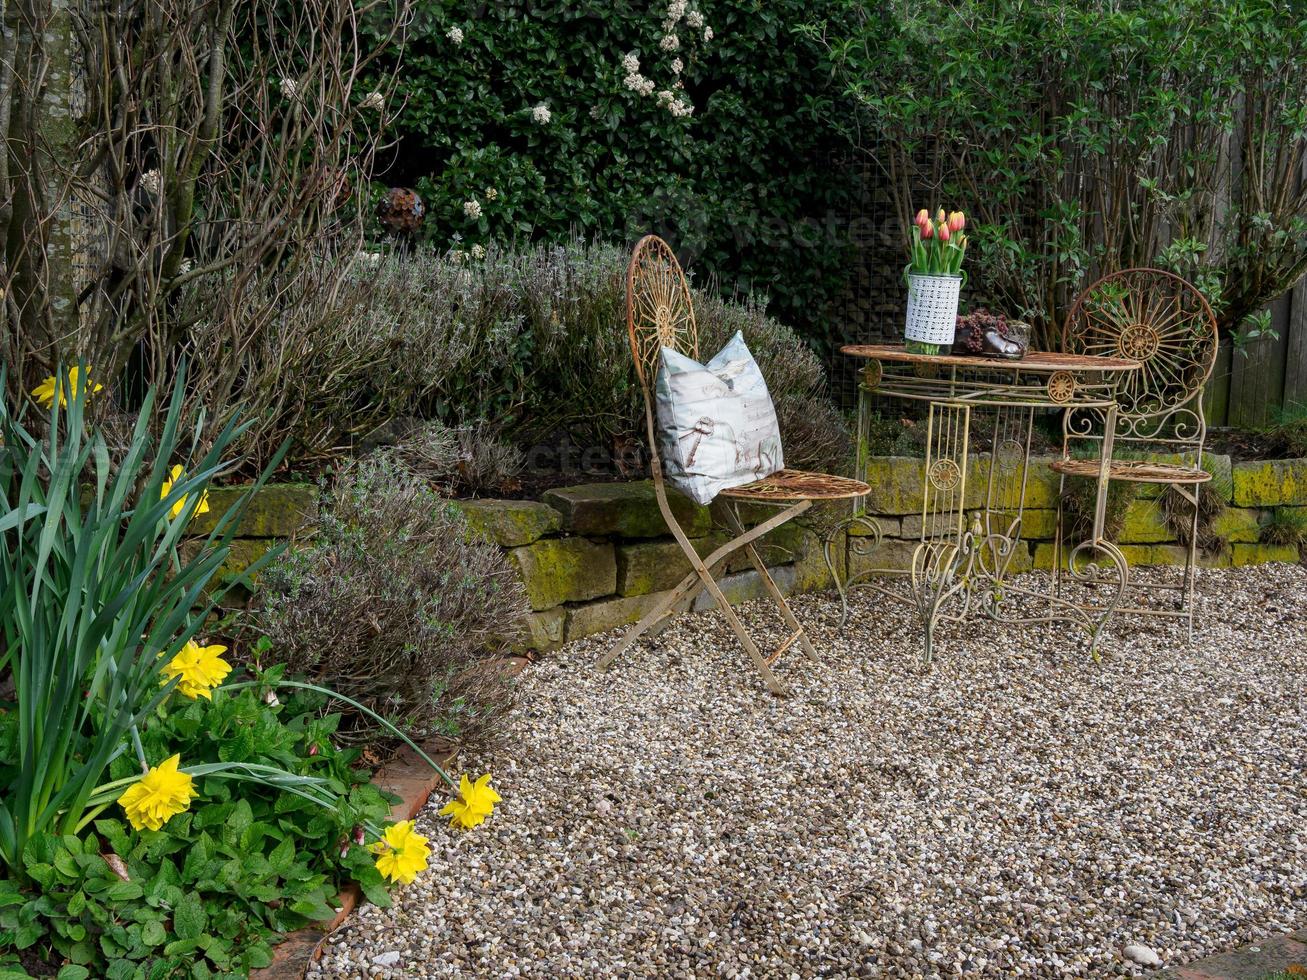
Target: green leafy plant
{"points": [[531, 342], [94, 591], [396, 604], [1287, 435], [1287, 526], [209, 891]]}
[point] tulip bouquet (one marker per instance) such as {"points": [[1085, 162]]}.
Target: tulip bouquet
{"points": [[935, 280], [938, 245]]}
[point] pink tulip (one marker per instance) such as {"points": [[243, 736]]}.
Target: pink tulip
{"points": [[927, 231], [923, 218], [939, 215], [943, 231], [957, 221]]}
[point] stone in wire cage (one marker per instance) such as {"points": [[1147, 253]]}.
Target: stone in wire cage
{"points": [[932, 308]]}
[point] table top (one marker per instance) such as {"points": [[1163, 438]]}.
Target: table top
{"points": [[1035, 361]]}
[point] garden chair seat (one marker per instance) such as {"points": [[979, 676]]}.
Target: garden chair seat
{"points": [[799, 485], [1134, 470]]}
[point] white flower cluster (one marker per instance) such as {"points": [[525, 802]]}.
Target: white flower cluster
{"points": [[373, 100], [478, 252], [152, 181], [672, 99], [638, 84], [289, 88], [675, 104], [541, 114], [455, 34], [472, 209], [491, 193]]}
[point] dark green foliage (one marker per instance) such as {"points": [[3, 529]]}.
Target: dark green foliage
{"points": [[1178, 513], [1286, 437], [1083, 136], [744, 186], [891, 435], [1287, 526]]}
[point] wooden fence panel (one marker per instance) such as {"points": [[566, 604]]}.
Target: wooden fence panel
{"points": [[1257, 376]]}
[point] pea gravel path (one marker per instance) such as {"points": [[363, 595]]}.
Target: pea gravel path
{"points": [[1018, 811]]}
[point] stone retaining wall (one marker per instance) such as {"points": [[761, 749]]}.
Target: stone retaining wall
{"points": [[598, 556]]}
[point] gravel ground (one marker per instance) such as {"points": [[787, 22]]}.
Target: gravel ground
{"points": [[1017, 811]]}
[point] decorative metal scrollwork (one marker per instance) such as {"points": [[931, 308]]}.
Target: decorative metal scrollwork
{"points": [[872, 374], [944, 474], [1138, 342], [1156, 318], [1061, 387]]}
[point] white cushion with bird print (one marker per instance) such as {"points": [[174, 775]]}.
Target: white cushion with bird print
{"points": [[716, 423]]}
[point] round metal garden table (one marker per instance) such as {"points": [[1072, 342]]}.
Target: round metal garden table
{"points": [[972, 507]]}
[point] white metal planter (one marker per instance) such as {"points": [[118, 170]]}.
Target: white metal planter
{"points": [[932, 308]]}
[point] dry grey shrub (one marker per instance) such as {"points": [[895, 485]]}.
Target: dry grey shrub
{"points": [[546, 348], [533, 342], [469, 459], [397, 604]]}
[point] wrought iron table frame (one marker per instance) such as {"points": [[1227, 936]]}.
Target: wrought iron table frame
{"points": [[958, 566]]}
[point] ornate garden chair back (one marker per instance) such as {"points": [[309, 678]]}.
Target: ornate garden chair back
{"points": [[660, 313], [1164, 322]]}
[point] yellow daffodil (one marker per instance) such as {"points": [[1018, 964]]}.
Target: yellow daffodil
{"points": [[45, 392], [401, 853], [200, 669], [476, 802], [175, 476], [158, 796]]}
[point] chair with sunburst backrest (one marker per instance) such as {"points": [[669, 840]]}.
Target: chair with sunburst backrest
{"points": [[1163, 322], [660, 315]]}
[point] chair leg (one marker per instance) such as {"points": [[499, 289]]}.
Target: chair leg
{"points": [[686, 603], [778, 597], [1187, 596], [687, 586], [746, 641]]}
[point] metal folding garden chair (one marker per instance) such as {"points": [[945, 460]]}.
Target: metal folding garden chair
{"points": [[1162, 321], [659, 314]]}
